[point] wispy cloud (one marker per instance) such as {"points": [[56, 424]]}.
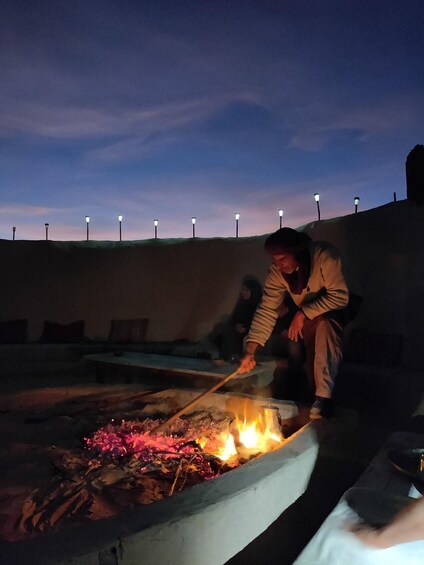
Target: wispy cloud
{"points": [[27, 211], [155, 127], [318, 125]]}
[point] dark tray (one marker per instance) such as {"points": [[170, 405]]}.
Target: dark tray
{"points": [[410, 462], [373, 507]]}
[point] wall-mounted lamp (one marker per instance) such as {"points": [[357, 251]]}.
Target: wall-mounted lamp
{"points": [[316, 196], [120, 227], [356, 202], [280, 213], [87, 221]]}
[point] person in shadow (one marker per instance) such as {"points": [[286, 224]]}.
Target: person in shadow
{"points": [[228, 337]]}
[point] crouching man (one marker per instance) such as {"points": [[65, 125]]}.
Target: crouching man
{"points": [[311, 272]]}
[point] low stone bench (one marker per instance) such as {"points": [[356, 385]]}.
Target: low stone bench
{"points": [[41, 358], [35, 358]]}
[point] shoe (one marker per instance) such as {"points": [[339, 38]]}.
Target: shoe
{"points": [[321, 408]]}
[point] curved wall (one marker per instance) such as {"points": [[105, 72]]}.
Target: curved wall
{"points": [[185, 286]]}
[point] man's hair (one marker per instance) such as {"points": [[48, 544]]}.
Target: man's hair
{"points": [[287, 240]]}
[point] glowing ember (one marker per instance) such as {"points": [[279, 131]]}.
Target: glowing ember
{"points": [[133, 439], [123, 464]]}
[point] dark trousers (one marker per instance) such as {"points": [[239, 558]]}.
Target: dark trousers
{"points": [[313, 361], [320, 351]]}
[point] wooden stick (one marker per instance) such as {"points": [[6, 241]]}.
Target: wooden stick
{"points": [[193, 402]]}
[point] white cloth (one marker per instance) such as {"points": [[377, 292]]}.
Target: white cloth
{"points": [[333, 544]]}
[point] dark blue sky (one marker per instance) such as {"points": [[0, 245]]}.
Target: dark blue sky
{"points": [[173, 109]]}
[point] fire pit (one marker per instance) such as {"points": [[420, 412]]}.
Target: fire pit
{"points": [[95, 506]]}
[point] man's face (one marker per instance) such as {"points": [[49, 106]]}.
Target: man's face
{"points": [[286, 262]]}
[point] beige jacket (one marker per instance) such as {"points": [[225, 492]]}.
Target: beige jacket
{"points": [[326, 290]]}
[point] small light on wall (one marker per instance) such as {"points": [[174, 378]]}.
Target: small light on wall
{"points": [[237, 216], [87, 221], [155, 223], [120, 227], [280, 213], [356, 202], [193, 221], [316, 196]]}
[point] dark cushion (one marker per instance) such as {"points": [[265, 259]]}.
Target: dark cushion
{"points": [[128, 331], [63, 333], [14, 331], [374, 348]]}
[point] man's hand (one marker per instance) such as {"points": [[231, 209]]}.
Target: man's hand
{"points": [[296, 327], [248, 361]]}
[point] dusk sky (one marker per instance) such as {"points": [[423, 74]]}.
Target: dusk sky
{"points": [[173, 109]]}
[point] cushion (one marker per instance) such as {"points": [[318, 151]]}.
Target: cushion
{"points": [[128, 331], [374, 348], [14, 331], [63, 333]]}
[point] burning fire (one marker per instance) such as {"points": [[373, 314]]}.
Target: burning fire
{"points": [[125, 462], [242, 440], [259, 436], [229, 450]]}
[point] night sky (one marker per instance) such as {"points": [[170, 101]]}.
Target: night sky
{"points": [[173, 109]]}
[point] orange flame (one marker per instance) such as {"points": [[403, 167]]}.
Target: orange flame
{"points": [[258, 436], [255, 436], [229, 450]]}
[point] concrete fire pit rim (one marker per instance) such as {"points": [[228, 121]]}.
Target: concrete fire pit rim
{"points": [[71, 542]]}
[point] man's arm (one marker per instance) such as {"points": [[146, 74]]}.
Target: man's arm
{"points": [[265, 317], [266, 314], [336, 295]]}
